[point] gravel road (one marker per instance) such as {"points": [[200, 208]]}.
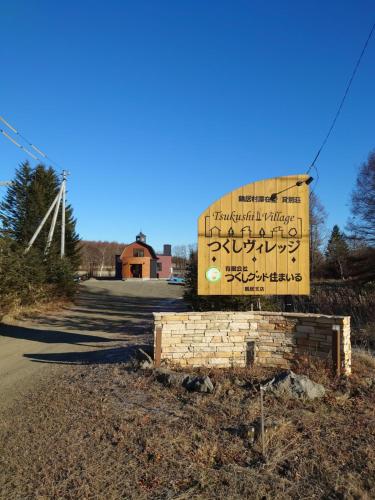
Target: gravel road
{"points": [[108, 318]]}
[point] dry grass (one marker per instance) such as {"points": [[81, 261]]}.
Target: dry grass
{"points": [[106, 432], [17, 311], [341, 299]]}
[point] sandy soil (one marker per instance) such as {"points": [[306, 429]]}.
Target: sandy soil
{"points": [[108, 319]]}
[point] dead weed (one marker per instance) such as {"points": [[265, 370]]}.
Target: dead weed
{"points": [[102, 431]]}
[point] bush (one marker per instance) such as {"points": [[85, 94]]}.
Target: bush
{"points": [[30, 279], [61, 274]]}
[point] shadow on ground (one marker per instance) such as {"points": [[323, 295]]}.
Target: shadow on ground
{"points": [[49, 336], [100, 312], [104, 356], [98, 317]]}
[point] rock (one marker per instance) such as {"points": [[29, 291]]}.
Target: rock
{"points": [[293, 385], [239, 382], [144, 356], [141, 360], [193, 383], [170, 378], [145, 365], [199, 384]]}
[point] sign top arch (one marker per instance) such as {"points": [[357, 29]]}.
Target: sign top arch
{"points": [[255, 240]]}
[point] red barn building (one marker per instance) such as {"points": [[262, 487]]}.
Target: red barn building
{"points": [[139, 260]]}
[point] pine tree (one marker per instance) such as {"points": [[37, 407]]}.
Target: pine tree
{"points": [[337, 253], [42, 191], [26, 203], [34, 277], [14, 208]]}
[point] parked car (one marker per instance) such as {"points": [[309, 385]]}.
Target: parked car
{"points": [[176, 280]]}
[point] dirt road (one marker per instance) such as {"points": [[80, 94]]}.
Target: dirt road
{"points": [[109, 317]]}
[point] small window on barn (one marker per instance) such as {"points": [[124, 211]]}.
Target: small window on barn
{"points": [[160, 266], [138, 252]]}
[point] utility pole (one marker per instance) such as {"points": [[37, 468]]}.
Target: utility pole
{"points": [[59, 199], [63, 204], [54, 219], [39, 228]]}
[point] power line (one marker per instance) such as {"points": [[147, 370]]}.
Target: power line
{"points": [[35, 148], [342, 102], [17, 144]]}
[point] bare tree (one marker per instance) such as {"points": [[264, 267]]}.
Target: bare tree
{"points": [[192, 249], [318, 216], [180, 255], [337, 253], [99, 255], [362, 223]]}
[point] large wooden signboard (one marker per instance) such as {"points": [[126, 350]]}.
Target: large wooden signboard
{"points": [[251, 242]]}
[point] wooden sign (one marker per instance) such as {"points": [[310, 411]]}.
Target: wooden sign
{"points": [[255, 240]]}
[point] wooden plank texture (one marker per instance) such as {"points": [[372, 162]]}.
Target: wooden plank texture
{"points": [[252, 244]]}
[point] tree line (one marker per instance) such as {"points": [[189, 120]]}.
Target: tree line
{"points": [[98, 257], [349, 254]]}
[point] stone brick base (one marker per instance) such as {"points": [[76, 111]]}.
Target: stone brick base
{"points": [[227, 339]]}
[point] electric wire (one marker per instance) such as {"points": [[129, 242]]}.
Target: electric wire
{"points": [[35, 148], [17, 144], [341, 103]]}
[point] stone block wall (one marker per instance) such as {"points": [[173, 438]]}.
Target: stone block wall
{"points": [[227, 339]]}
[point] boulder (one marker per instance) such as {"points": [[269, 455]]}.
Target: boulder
{"points": [[170, 378], [293, 385], [193, 383], [141, 360], [198, 384], [145, 365]]}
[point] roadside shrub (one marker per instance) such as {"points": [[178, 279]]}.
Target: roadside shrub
{"points": [[29, 279]]}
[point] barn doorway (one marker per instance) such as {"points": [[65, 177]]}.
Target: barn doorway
{"points": [[136, 270]]}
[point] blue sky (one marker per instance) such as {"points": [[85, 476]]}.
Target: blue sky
{"points": [[158, 108]]}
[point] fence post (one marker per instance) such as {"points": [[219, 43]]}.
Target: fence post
{"points": [[157, 353], [336, 349], [262, 421]]}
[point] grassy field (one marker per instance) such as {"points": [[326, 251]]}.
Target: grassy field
{"points": [[104, 431]]}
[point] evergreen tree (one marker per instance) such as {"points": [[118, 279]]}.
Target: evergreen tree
{"points": [[26, 203], [22, 278], [26, 279], [14, 208], [337, 253]]}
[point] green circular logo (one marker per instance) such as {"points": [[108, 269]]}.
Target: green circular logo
{"points": [[213, 274]]}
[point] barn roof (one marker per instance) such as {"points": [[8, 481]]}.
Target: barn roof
{"points": [[149, 248]]}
